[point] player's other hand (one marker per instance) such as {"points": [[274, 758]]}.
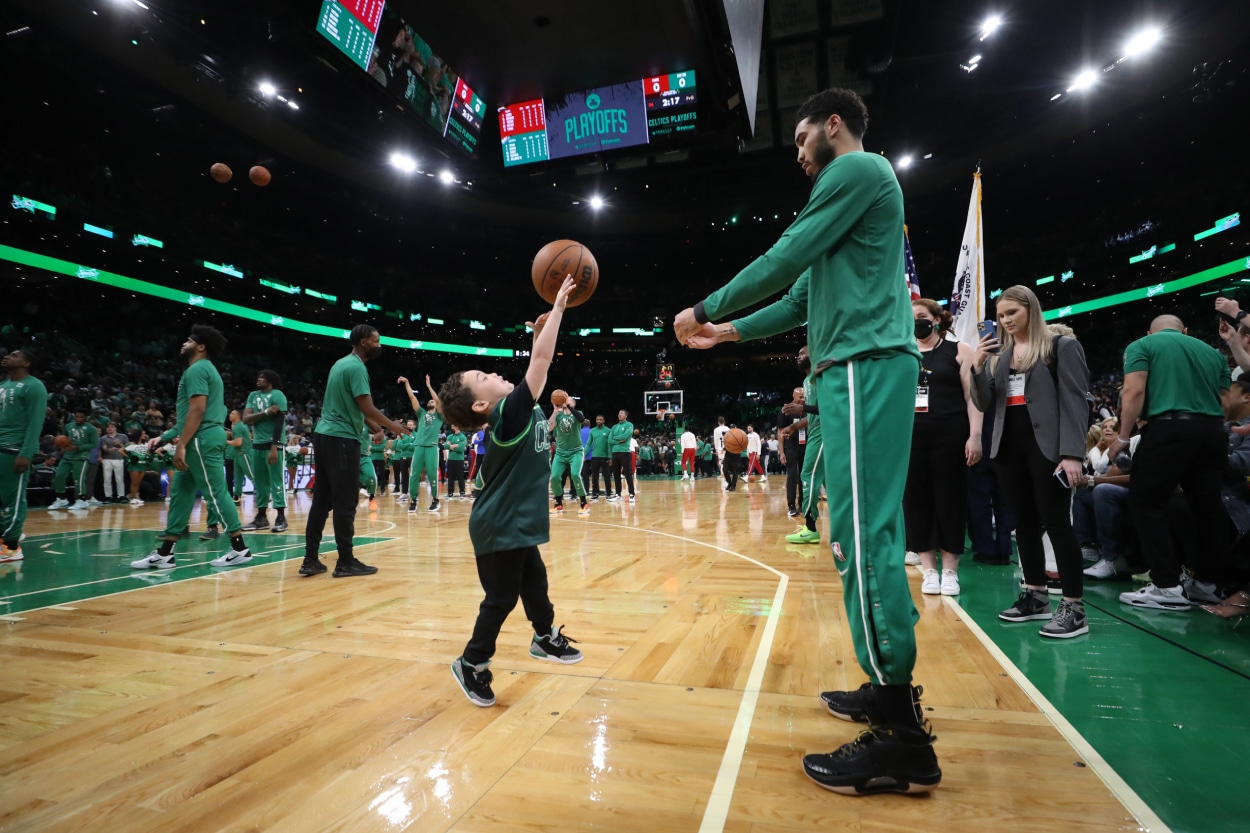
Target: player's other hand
{"points": [[703, 338], [537, 325], [402, 380], [566, 289], [1227, 306], [400, 428], [685, 325], [792, 408]]}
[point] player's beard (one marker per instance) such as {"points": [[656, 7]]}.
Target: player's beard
{"points": [[822, 154], [188, 352]]}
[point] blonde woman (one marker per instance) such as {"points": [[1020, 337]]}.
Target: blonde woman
{"points": [[1036, 385]]}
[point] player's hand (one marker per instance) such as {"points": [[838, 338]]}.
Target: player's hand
{"points": [[20, 464], [1226, 332], [403, 380], [972, 450], [272, 457], [399, 428], [782, 434], [537, 326], [703, 338], [1227, 306], [180, 458], [685, 325], [273, 409], [566, 289], [986, 347], [791, 409]]}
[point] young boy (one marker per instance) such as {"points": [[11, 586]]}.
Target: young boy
{"points": [[510, 520]]}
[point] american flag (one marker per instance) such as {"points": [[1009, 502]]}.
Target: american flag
{"points": [[913, 280]]}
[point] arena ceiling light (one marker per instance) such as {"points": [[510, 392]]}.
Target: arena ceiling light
{"points": [[403, 162], [1083, 81], [596, 202], [990, 26], [1143, 42], [267, 89], [446, 177], [905, 161]]}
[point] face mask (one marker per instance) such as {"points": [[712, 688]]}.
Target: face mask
{"points": [[373, 352], [924, 328]]}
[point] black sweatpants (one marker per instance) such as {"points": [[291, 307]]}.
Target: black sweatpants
{"points": [[401, 469], [623, 461], [1191, 453], [600, 467], [505, 576], [935, 500], [455, 477], [335, 489], [794, 477], [382, 474], [1040, 503], [732, 466]]}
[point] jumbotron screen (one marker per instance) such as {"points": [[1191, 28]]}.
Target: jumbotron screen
{"points": [[598, 120], [385, 46]]}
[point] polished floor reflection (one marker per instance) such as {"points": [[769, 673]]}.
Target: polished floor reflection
{"points": [[252, 699]]}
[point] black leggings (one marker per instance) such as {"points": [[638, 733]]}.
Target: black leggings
{"points": [[505, 576], [622, 461], [382, 474], [935, 501], [401, 469], [336, 489], [1039, 503], [455, 476]]}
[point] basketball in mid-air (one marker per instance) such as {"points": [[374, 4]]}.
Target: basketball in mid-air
{"points": [[735, 441], [62, 442], [558, 259], [220, 172], [259, 176], [559, 397]]}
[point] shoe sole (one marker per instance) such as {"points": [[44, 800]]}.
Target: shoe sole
{"points": [[912, 786], [1156, 606], [482, 704], [154, 567], [937, 592], [231, 563], [857, 717], [1078, 632], [1036, 617], [304, 572], [279, 529], [561, 660]]}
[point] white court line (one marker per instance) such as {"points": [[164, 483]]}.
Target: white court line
{"points": [[1146, 817], [717, 811]]}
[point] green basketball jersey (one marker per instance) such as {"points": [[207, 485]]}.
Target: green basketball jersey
{"points": [[259, 402], [568, 432], [511, 509], [428, 425]]}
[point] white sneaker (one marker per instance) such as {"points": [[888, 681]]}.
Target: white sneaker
{"points": [[134, 501], [80, 504], [364, 493], [59, 503], [584, 512], [154, 561], [1103, 569], [950, 583], [1158, 598], [232, 557], [931, 584], [764, 478], [94, 502], [1200, 592], [631, 500], [912, 559]]}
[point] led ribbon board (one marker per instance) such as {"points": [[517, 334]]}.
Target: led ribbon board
{"points": [[178, 296]]}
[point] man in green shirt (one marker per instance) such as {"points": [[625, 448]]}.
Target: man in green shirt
{"points": [[622, 458], [266, 415], [23, 400], [507, 523], [457, 445], [1176, 384], [239, 456], [346, 405], [76, 461], [199, 427], [368, 477], [566, 424], [600, 458], [842, 258], [401, 461], [377, 456], [425, 446]]}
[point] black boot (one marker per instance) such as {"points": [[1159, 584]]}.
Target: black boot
{"points": [[889, 758]]}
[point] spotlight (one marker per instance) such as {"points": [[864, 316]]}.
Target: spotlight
{"points": [[905, 161], [446, 177], [404, 162], [1084, 80], [1055, 97], [292, 105], [974, 59], [267, 89], [990, 25], [1143, 41], [596, 202]]}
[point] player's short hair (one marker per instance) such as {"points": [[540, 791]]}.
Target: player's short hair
{"points": [[1244, 385], [625, 412], [362, 331], [29, 357], [846, 103], [272, 377], [457, 398], [720, 420], [213, 341]]}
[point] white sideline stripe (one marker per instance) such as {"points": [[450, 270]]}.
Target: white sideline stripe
{"points": [[717, 811], [1132, 802]]}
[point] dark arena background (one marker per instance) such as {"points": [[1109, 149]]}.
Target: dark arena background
{"points": [[284, 170]]}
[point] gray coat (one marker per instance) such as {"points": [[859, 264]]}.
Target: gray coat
{"points": [[1060, 418]]}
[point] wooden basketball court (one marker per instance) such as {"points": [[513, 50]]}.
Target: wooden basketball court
{"points": [[253, 699]]}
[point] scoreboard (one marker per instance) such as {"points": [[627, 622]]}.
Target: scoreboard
{"points": [[352, 26], [598, 120]]}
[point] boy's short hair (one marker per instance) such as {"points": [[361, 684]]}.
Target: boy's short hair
{"points": [[457, 398]]}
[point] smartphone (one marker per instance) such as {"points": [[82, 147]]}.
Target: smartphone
{"points": [[988, 327], [1062, 477]]}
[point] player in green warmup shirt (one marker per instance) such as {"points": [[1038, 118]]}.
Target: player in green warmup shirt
{"points": [[266, 415], [239, 455], [83, 437], [377, 456], [23, 403], [600, 458], [457, 445], [368, 477], [566, 424], [401, 461], [508, 522], [622, 460], [200, 456], [425, 446], [842, 259]]}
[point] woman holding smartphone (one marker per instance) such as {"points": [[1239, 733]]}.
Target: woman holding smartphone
{"points": [[1036, 385]]}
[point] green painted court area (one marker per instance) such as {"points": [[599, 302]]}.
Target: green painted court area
{"points": [[62, 568], [1161, 696]]}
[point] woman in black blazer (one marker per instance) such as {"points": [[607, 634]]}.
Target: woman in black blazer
{"points": [[1036, 386]]}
